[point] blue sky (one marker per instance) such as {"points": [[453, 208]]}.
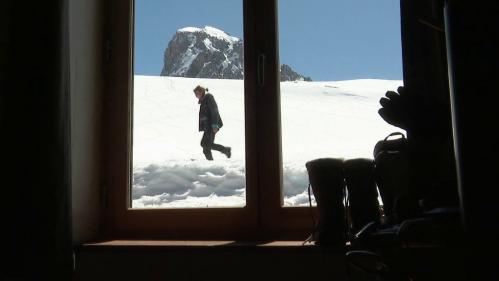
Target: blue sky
{"points": [[327, 40]]}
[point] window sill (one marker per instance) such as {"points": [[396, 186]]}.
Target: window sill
{"points": [[206, 260], [194, 244], [205, 245]]}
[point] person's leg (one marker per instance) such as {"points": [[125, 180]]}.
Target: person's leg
{"points": [[206, 143], [218, 147]]}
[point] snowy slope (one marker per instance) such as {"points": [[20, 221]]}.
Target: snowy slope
{"points": [[319, 119]]}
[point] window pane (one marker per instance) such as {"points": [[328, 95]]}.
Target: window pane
{"points": [[178, 46], [338, 58]]}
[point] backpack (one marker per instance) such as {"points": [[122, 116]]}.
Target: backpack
{"points": [[392, 176]]}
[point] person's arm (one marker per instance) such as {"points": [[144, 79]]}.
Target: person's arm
{"points": [[214, 115]]}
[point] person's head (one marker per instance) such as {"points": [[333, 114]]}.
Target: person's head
{"points": [[200, 91]]}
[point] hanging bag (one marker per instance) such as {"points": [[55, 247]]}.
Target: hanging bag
{"points": [[391, 170]]}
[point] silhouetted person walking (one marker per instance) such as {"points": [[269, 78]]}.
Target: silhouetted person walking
{"points": [[209, 123]]}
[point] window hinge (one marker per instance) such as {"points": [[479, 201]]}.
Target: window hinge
{"points": [[108, 50], [105, 196], [74, 261]]}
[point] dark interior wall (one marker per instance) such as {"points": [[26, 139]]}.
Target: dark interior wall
{"points": [[35, 158], [4, 39], [473, 39]]}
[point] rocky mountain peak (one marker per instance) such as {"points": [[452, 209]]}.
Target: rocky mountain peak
{"points": [[209, 52]]}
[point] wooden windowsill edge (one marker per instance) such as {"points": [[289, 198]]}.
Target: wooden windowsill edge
{"points": [[196, 243]]}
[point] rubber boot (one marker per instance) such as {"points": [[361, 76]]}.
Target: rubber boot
{"points": [[327, 182], [363, 205]]}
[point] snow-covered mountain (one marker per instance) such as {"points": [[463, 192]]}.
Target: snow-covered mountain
{"points": [[210, 53]]}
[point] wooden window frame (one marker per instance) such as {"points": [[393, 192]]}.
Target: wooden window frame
{"points": [[264, 216]]}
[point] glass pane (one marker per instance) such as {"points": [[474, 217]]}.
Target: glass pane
{"points": [[178, 46], [338, 58]]}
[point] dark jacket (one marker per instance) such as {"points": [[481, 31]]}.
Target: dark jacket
{"points": [[208, 114]]}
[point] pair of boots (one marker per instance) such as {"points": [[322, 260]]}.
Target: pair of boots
{"points": [[331, 180]]}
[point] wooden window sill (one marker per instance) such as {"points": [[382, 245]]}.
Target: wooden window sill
{"points": [[198, 244], [206, 245], [193, 260]]}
